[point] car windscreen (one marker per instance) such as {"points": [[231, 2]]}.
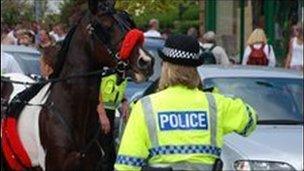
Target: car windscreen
{"points": [[157, 65], [29, 62], [275, 99], [152, 45], [133, 88]]}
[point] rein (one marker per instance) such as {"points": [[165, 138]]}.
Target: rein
{"points": [[101, 73]]}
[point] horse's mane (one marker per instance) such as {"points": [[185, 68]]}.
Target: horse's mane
{"points": [[61, 56]]}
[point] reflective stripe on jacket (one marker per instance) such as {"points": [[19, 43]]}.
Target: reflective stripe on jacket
{"points": [[112, 91], [182, 128]]}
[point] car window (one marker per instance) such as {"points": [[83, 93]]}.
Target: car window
{"points": [[273, 98], [152, 45], [133, 88], [157, 65], [28, 62]]}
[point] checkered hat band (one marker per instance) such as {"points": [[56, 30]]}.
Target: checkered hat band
{"points": [[175, 53], [185, 149], [130, 160]]}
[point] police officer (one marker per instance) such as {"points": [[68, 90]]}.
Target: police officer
{"points": [[112, 91], [181, 127]]}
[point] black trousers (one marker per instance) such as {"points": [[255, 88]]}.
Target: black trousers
{"points": [[108, 145]]}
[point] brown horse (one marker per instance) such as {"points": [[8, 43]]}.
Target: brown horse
{"points": [[68, 122]]}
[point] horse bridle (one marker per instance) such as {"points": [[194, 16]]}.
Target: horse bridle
{"points": [[96, 29]]}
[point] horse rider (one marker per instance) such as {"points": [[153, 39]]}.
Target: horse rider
{"points": [[181, 127], [112, 91]]}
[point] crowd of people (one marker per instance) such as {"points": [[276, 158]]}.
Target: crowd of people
{"points": [[257, 51], [33, 35]]}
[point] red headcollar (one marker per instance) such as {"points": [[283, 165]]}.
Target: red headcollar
{"points": [[132, 38]]}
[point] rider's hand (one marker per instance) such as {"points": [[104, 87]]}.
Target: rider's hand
{"points": [[103, 118], [125, 110]]}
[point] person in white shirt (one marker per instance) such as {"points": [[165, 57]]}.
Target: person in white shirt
{"points": [[258, 40], [9, 64], [58, 32], [152, 32], [219, 53], [294, 58]]}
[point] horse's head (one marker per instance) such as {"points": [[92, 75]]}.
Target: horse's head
{"points": [[107, 29]]}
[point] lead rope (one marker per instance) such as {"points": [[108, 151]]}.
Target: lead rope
{"points": [[101, 73]]}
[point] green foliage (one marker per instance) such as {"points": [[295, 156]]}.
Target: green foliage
{"points": [[183, 26], [191, 12], [51, 19], [14, 12], [166, 11], [66, 8], [172, 18], [165, 19], [140, 7]]}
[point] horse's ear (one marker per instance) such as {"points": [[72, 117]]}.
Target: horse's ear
{"points": [[93, 6]]}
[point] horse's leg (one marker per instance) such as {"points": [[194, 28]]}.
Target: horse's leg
{"points": [[60, 159], [55, 139]]}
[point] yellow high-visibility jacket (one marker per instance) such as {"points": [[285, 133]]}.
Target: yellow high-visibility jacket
{"points": [[111, 91], [181, 128]]}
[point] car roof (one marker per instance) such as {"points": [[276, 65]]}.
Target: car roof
{"points": [[215, 71], [154, 42], [18, 48]]}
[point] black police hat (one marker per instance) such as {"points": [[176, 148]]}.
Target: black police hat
{"points": [[181, 50]]}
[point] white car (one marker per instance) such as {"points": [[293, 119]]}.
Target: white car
{"points": [[27, 58]]}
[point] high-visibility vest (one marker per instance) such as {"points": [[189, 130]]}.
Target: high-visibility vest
{"points": [[112, 91], [181, 128]]}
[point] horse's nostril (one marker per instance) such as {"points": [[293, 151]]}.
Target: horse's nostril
{"points": [[142, 63]]}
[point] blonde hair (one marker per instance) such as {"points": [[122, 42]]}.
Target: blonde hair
{"points": [[257, 36], [173, 74]]}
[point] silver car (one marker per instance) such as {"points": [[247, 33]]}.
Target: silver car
{"points": [[27, 58], [277, 95]]}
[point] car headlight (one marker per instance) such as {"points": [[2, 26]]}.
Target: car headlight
{"points": [[254, 165]]}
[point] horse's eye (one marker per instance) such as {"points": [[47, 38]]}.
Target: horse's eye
{"points": [[141, 63]]}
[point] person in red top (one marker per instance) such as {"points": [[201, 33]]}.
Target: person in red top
{"points": [[258, 52]]}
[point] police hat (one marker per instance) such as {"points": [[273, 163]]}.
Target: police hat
{"points": [[181, 50]]}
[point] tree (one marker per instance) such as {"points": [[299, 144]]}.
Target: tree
{"points": [[167, 11], [19, 11], [140, 7], [13, 12]]}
